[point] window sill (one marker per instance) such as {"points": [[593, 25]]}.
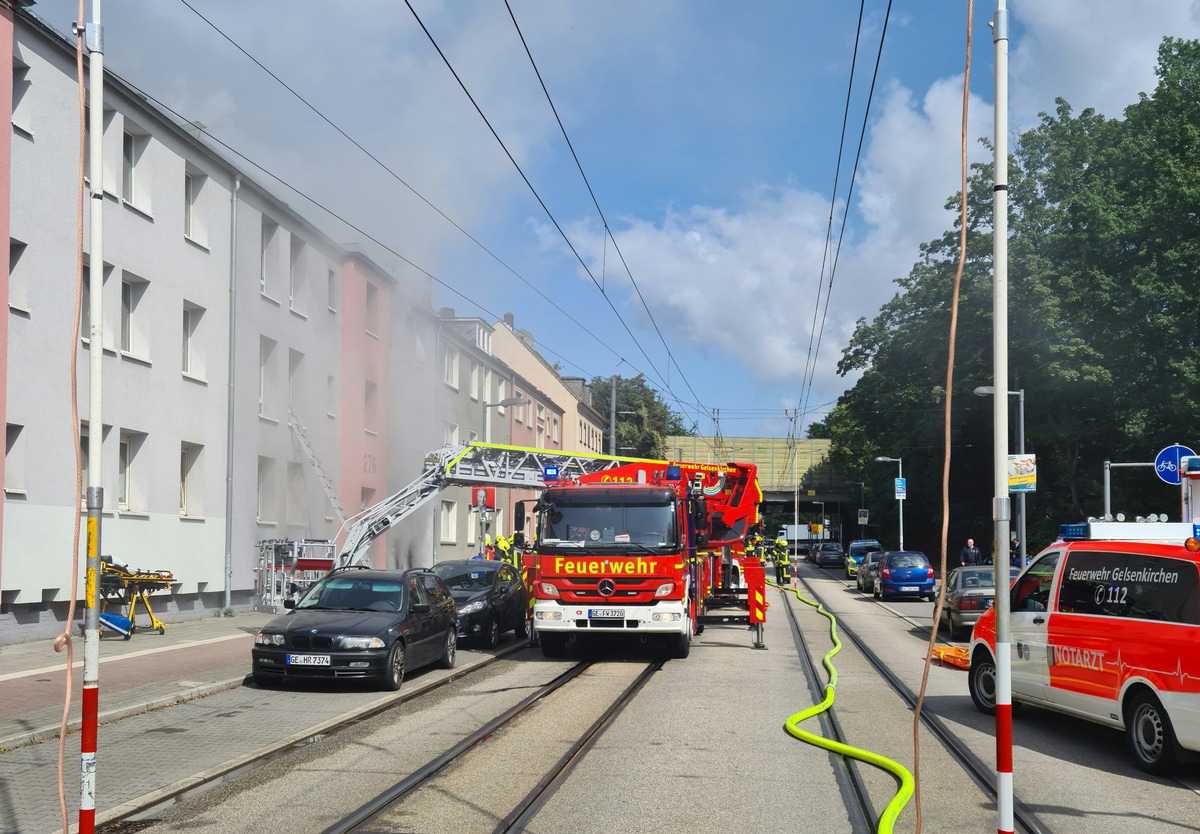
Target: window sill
{"points": [[332, 310], [140, 360], [265, 297], [22, 131], [125, 513], [19, 310], [145, 215], [371, 333], [203, 247], [266, 419], [266, 523], [199, 380], [370, 432], [297, 314], [15, 492], [330, 415], [193, 518]]}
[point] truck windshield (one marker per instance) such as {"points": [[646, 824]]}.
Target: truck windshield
{"points": [[633, 526]]}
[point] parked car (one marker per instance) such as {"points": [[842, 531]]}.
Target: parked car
{"points": [[360, 623], [868, 570], [903, 573], [855, 553], [829, 554], [490, 596], [969, 592]]}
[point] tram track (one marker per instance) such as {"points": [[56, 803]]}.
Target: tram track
{"points": [[978, 771]]}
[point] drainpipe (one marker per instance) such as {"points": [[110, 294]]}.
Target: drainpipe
{"points": [[233, 204]]}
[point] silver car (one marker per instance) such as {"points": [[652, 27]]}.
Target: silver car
{"points": [[969, 592]]}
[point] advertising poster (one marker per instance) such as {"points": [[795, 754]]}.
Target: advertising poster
{"points": [[1022, 473]]}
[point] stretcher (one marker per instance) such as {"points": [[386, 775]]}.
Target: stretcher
{"points": [[953, 655], [129, 588]]}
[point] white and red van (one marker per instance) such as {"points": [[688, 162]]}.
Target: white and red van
{"points": [[1105, 626]]}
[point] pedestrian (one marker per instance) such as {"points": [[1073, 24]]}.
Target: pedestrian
{"points": [[970, 554], [1014, 553]]}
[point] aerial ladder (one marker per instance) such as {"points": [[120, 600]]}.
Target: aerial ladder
{"points": [[476, 464], [326, 484]]}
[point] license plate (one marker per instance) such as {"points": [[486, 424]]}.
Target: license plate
{"points": [[308, 660], [911, 589], [606, 613]]}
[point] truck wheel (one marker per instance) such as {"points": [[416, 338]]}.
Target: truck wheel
{"points": [[1150, 736], [981, 680], [554, 644], [681, 645]]}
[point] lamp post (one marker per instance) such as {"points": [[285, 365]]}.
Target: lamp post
{"points": [[899, 498], [862, 505], [487, 434], [987, 391]]}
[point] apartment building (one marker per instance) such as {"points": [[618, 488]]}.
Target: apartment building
{"points": [[250, 362]]}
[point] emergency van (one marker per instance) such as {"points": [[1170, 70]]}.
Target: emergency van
{"points": [[1105, 626]]}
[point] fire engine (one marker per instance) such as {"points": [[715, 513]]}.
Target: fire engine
{"points": [[671, 578], [646, 549]]}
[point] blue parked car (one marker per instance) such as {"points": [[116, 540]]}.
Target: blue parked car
{"points": [[904, 573]]}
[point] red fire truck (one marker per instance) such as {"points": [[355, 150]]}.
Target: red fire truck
{"points": [[642, 549]]}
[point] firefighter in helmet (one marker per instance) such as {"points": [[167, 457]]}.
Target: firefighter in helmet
{"points": [[780, 552]]}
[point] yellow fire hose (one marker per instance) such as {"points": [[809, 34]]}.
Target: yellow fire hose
{"points": [[903, 777]]}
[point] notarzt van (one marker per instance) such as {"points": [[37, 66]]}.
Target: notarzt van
{"points": [[1107, 628]]}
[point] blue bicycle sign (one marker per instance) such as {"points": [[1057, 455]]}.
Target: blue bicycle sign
{"points": [[1167, 462]]}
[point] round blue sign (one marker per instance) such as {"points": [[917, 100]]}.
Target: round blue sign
{"points": [[1167, 462]]}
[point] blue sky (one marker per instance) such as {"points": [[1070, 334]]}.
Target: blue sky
{"points": [[708, 132]]}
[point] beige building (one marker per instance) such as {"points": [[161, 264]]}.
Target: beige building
{"points": [[781, 461]]}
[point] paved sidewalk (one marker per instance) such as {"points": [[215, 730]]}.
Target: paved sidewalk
{"points": [[192, 659]]}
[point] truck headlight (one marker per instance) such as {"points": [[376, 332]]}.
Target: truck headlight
{"points": [[665, 589], [265, 639], [664, 617], [547, 589], [547, 615]]}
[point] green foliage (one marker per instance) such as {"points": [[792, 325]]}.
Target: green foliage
{"points": [[644, 421], [1104, 271]]}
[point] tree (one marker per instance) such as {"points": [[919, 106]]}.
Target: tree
{"points": [[644, 420]]}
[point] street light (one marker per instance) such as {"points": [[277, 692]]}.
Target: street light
{"points": [[987, 391], [899, 498], [487, 434], [862, 504]]}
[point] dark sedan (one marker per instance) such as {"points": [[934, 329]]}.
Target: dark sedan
{"points": [[360, 624], [868, 570], [969, 592], [830, 555], [490, 596]]}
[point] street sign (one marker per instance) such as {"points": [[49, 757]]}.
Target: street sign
{"points": [[1167, 463], [900, 489], [862, 517]]}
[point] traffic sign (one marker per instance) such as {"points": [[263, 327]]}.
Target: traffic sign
{"points": [[900, 489], [1167, 462], [862, 517]]}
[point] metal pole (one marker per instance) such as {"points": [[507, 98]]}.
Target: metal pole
{"points": [[900, 499], [90, 708], [1000, 503], [1107, 490], [612, 416], [232, 348], [487, 436], [1021, 495]]}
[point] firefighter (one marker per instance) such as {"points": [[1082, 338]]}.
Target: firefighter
{"points": [[781, 561], [506, 552]]}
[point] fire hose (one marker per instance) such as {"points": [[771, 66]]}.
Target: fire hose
{"points": [[901, 773]]}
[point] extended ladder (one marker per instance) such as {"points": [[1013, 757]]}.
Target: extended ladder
{"points": [[485, 464], [326, 484]]}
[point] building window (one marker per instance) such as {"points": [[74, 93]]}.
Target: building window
{"points": [[135, 180], [194, 221], [449, 433], [295, 493], [191, 494], [266, 501], [483, 339], [518, 411], [331, 291], [475, 380], [450, 367], [14, 459], [486, 393], [192, 356], [448, 516], [21, 111], [268, 256], [501, 396], [554, 431], [330, 396], [130, 482], [296, 274], [371, 407], [135, 331], [18, 285], [371, 313], [295, 378], [267, 406]]}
